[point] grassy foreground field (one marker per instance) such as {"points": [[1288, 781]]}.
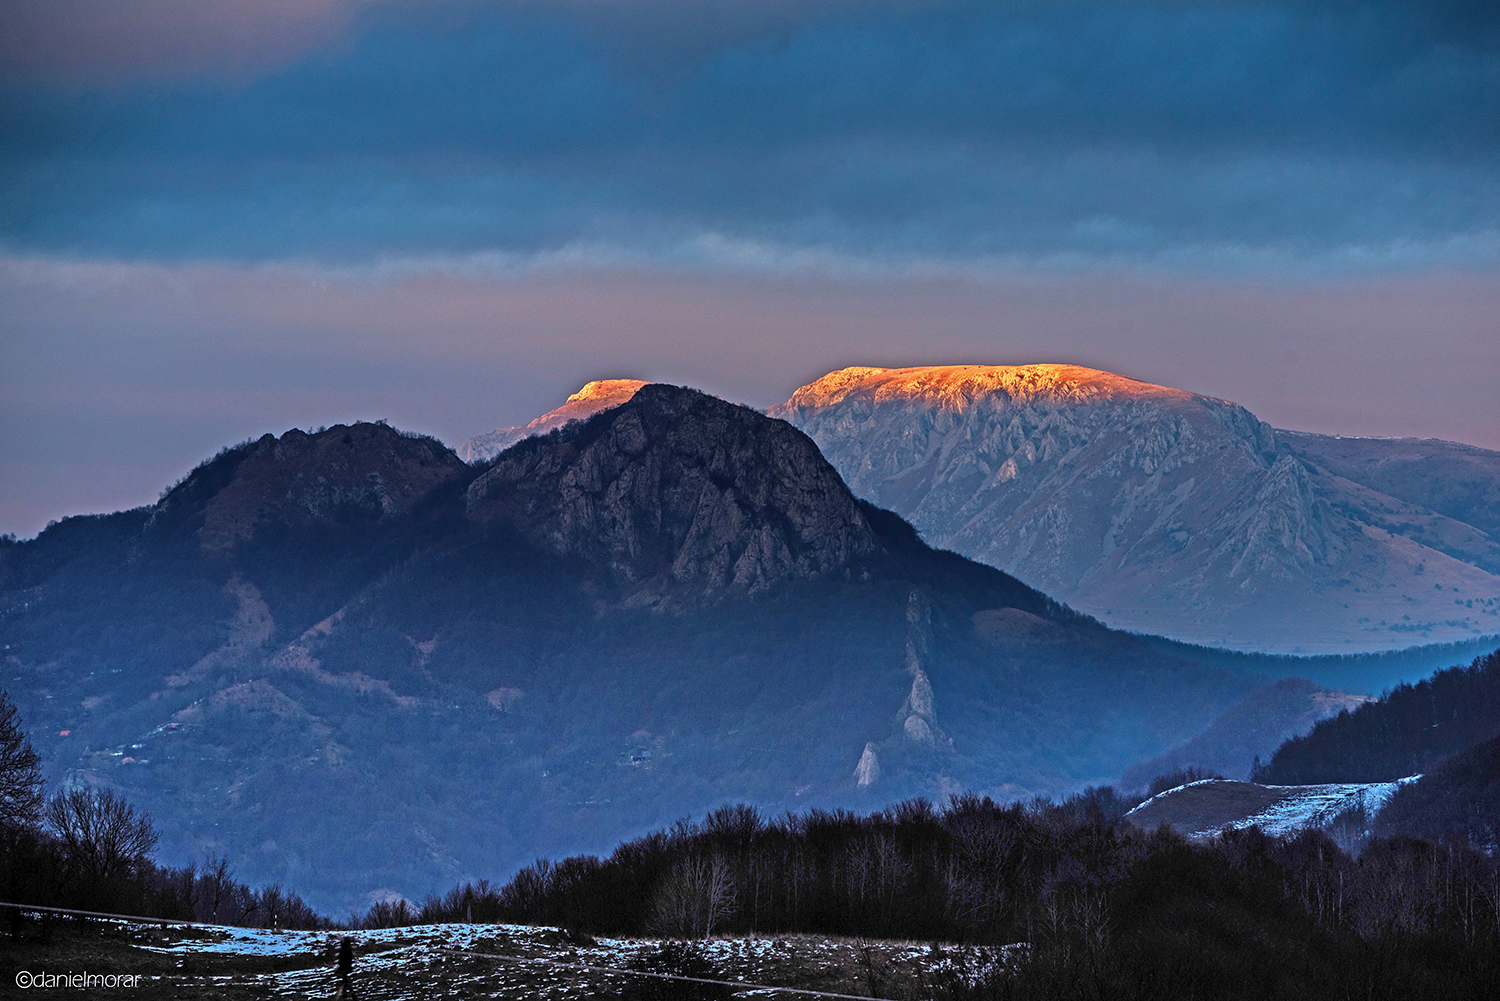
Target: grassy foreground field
{"points": [[471, 960]]}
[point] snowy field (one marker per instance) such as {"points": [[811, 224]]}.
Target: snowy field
{"points": [[513, 961], [1317, 806], [1204, 808]]}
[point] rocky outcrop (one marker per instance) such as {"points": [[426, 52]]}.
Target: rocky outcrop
{"points": [[867, 772], [916, 720], [681, 496], [1153, 508], [916, 727], [592, 398], [367, 472]]}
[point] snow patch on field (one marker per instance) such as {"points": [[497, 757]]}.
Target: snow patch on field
{"points": [[1204, 808], [267, 942], [1168, 792], [1316, 806], [546, 964]]}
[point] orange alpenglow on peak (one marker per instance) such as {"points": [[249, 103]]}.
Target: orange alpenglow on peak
{"points": [[601, 394], [612, 392], [956, 386]]}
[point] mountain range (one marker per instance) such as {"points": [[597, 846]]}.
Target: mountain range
{"points": [[1163, 511], [353, 663], [592, 398], [1158, 510]]}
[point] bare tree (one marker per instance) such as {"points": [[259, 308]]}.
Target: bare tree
{"points": [[102, 836], [720, 894], [20, 773], [696, 897], [272, 905], [213, 890]]}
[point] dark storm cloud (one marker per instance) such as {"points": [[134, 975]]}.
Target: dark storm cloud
{"points": [[1281, 134]]}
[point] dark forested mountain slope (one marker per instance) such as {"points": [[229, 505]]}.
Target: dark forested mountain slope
{"points": [[1459, 797], [1249, 731], [1404, 733], [351, 662]]}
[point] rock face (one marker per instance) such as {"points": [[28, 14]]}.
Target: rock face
{"points": [[917, 717], [1439, 493], [679, 493], [1156, 509], [592, 398]]}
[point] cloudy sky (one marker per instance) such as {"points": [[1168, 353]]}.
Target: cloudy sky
{"points": [[225, 217]]}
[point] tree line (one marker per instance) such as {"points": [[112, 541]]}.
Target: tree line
{"points": [[1107, 909], [1405, 733], [1104, 908], [1458, 799]]}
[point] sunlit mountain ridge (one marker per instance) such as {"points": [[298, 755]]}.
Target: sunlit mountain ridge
{"points": [[595, 396], [1156, 509], [1169, 512], [957, 387]]}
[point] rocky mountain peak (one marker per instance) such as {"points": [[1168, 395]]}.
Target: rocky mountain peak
{"points": [[679, 494], [364, 471], [609, 391], [601, 394], [1161, 510]]}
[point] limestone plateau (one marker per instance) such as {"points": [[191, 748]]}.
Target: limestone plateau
{"points": [[1163, 511]]}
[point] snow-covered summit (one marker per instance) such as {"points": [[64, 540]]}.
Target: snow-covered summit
{"points": [[601, 394], [958, 386], [1158, 509]]}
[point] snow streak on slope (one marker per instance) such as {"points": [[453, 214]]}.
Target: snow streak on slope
{"points": [[1204, 808], [1317, 806]]}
